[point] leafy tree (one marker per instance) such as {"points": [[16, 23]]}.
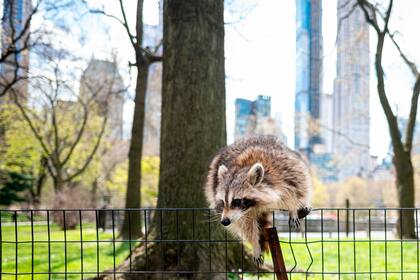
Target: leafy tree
{"points": [[320, 194], [12, 185], [354, 189], [21, 154]]}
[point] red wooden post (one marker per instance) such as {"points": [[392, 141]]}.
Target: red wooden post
{"points": [[276, 254]]}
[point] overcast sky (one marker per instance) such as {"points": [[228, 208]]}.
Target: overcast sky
{"points": [[260, 58]]}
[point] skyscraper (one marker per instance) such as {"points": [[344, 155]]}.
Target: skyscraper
{"points": [[308, 75], [102, 82], [15, 36], [351, 92], [254, 117]]}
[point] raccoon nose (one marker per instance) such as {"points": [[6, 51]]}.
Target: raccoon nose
{"points": [[225, 222]]}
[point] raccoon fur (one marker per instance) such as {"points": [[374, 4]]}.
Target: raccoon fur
{"points": [[253, 176]]}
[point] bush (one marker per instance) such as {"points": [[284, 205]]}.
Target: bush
{"points": [[68, 199]]}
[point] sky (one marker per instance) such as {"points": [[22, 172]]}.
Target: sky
{"points": [[260, 57]]}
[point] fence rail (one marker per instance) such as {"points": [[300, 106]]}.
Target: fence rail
{"points": [[333, 243]]}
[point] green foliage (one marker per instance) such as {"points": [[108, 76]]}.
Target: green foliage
{"points": [[320, 194], [12, 186], [21, 152], [150, 179]]}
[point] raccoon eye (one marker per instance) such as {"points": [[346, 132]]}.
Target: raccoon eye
{"points": [[236, 202], [248, 202]]}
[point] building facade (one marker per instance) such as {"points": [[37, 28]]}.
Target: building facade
{"points": [[102, 82], [254, 118], [15, 35], [308, 75], [351, 92]]}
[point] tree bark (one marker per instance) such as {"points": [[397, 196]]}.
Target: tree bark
{"points": [[193, 129], [131, 228], [405, 189]]}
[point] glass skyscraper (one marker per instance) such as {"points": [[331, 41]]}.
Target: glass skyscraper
{"points": [[248, 113], [308, 75]]}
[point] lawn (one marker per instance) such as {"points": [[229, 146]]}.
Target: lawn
{"points": [[96, 252], [96, 249]]}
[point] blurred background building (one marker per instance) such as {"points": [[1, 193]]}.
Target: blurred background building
{"points": [[254, 118], [308, 75], [351, 92], [102, 81], [13, 30]]}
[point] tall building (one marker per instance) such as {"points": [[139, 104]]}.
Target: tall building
{"points": [[243, 113], [351, 92], [308, 75], [326, 122], [254, 118], [14, 35], [102, 81]]}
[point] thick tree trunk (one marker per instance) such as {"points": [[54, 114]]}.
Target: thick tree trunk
{"points": [[405, 189], [193, 129], [132, 219]]}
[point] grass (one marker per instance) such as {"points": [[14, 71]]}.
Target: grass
{"points": [[330, 256], [62, 258]]}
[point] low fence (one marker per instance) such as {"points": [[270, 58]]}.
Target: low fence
{"points": [[190, 243]]}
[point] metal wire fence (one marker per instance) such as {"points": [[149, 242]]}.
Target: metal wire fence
{"points": [[332, 243]]}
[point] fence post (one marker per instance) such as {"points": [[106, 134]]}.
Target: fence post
{"points": [[276, 254], [347, 217]]}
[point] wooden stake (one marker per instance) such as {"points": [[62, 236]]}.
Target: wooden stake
{"points": [[276, 254]]}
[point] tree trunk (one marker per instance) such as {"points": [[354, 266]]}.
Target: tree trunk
{"points": [[405, 189], [36, 190], [131, 228], [193, 130]]}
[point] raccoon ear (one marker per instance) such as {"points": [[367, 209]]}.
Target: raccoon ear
{"points": [[256, 174], [221, 171]]}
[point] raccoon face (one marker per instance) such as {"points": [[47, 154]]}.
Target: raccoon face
{"points": [[236, 192]]}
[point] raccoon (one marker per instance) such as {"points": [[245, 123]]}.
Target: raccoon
{"points": [[253, 176]]}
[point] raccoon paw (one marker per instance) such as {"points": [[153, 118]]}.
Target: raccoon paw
{"points": [[303, 212], [259, 260], [294, 222]]}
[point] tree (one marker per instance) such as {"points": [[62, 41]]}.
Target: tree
{"points": [[193, 129], [12, 185], [320, 193], [379, 20], [68, 128], [355, 189], [144, 57], [21, 154]]}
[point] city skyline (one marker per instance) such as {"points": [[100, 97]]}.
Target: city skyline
{"points": [[270, 25]]}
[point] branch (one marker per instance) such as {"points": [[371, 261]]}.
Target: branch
{"points": [[413, 116], [370, 14], [410, 64], [30, 123], [123, 21], [93, 152]]}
